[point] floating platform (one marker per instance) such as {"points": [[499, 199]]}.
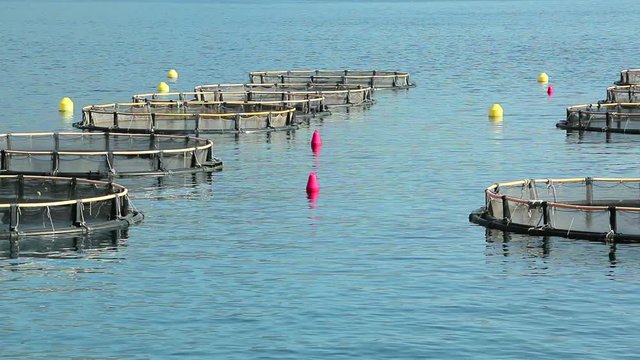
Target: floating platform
{"points": [[603, 117], [582, 208], [188, 117], [335, 95], [375, 79], [306, 105], [104, 155], [629, 77], [623, 94], [45, 205]]}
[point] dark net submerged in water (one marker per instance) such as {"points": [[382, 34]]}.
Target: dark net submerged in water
{"points": [[104, 155], [582, 208], [306, 105], [375, 79], [334, 94], [43, 205], [188, 117]]}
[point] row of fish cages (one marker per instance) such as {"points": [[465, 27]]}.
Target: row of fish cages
{"points": [[54, 183], [618, 113]]}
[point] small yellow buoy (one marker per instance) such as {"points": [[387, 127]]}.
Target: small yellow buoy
{"points": [[496, 112], [66, 105], [172, 74], [543, 78], [163, 87]]}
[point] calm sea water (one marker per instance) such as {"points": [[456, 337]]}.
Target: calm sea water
{"points": [[385, 264]]}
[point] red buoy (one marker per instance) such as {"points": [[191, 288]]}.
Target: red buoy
{"points": [[316, 141], [313, 188], [550, 90]]}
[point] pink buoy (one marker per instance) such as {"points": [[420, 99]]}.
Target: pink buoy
{"points": [[313, 188], [550, 90], [316, 141]]}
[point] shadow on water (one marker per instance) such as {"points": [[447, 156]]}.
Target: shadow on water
{"points": [[505, 244], [63, 246]]}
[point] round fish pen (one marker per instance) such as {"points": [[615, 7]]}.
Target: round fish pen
{"points": [[306, 105], [335, 95], [603, 117], [187, 117], [45, 205], [581, 208], [373, 78], [629, 77], [104, 155], [623, 94]]}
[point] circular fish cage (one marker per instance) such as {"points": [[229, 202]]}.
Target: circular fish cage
{"points": [[623, 94], [603, 117], [629, 77], [335, 95], [188, 117], [373, 78], [306, 105], [46, 205], [104, 155], [581, 208]]}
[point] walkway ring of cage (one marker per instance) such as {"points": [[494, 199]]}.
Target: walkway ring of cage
{"points": [[629, 77], [581, 208], [104, 155], [377, 79], [47, 205], [306, 105], [188, 117], [335, 94], [623, 94]]}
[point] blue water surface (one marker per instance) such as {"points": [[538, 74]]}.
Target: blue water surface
{"points": [[385, 265]]}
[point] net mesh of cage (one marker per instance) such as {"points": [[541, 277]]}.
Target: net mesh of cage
{"points": [[376, 79], [309, 104], [587, 208], [104, 155], [188, 117], [334, 94], [41, 205], [629, 77], [603, 117]]}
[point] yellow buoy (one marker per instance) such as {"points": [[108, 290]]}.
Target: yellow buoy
{"points": [[66, 105], [543, 78], [163, 87], [172, 74], [496, 112]]}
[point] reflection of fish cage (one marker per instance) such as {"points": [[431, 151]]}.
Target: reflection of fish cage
{"points": [[43, 205], [63, 246], [586, 208], [334, 94], [305, 104], [629, 77], [372, 78], [187, 117], [614, 118], [623, 94], [104, 155]]}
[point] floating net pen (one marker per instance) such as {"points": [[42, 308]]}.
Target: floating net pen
{"points": [[629, 77], [188, 117], [305, 104], [373, 78], [104, 155], [623, 94], [335, 95], [603, 117], [581, 208], [45, 205]]}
